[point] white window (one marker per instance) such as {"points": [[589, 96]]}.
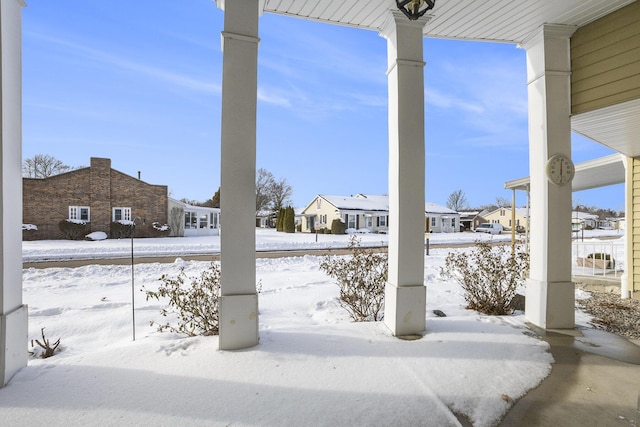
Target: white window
{"points": [[351, 221], [190, 220], [121, 214], [382, 221], [453, 222], [433, 221], [79, 213], [368, 222], [203, 221]]}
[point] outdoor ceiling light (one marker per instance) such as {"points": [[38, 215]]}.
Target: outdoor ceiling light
{"points": [[414, 9]]}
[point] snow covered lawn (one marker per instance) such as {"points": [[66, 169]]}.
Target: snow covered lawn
{"points": [[312, 366]]}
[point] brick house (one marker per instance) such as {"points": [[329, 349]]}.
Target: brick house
{"points": [[96, 194]]}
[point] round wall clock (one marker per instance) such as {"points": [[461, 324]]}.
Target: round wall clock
{"points": [[560, 169]]}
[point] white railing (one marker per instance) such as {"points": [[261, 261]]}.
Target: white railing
{"points": [[597, 258]]}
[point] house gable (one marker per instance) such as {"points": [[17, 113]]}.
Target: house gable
{"points": [[46, 201]]}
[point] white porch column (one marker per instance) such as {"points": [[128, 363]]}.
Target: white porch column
{"points": [[550, 292], [239, 299], [13, 314], [405, 293]]}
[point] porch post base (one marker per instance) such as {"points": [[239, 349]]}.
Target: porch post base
{"points": [[405, 309], [238, 321], [550, 305], [14, 331]]}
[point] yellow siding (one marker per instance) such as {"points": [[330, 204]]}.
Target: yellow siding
{"points": [[633, 225], [605, 61], [503, 217]]}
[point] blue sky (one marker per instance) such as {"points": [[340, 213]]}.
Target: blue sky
{"points": [[139, 82]]}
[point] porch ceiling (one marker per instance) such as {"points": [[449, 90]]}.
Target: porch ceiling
{"points": [[617, 127], [496, 20]]}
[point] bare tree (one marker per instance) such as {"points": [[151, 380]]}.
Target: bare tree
{"points": [[43, 166], [502, 202], [457, 201], [264, 187], [176, 221], [271, 194], [280, 194]]}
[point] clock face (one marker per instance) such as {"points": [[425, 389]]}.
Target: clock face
{"points": [[560, 169]]}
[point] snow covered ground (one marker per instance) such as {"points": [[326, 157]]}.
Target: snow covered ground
{"points": [[313, 366]]}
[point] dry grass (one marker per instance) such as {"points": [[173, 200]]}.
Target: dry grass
{"points": [[613, 314]]}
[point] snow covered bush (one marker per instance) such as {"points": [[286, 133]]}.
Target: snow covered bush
{"points": [[121, 230], [361, 278], [195, 306], [489, 276], [28, 231], [74, 229], [95, 236]]}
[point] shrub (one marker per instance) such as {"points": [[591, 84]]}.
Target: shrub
{"points": [[489, 276], [338, 227], [74, 229], [49, 349], [154, 229], [29, 231], [289, 220], [196, 305], [361, 277], [123, 230], [120, 230], [280, 220], [160, 230], [299, 228]]}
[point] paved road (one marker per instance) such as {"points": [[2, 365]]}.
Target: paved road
{"points": [[73, 263]]}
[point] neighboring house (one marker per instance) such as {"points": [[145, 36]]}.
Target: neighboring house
{"points": [[369, 212], [266, 219], [96, 194], [440, 219], [503, 216], [466, 219], [188, 220], [583, 220], [608, 223], [480, 218]]}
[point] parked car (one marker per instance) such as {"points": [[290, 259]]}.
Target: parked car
{"points": [[489, 228]]}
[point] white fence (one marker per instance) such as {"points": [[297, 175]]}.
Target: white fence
{"points": [[597, 258]]}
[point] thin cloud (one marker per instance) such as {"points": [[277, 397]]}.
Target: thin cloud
{"points": [[442, 100], [173, 78], [271, 97]]}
